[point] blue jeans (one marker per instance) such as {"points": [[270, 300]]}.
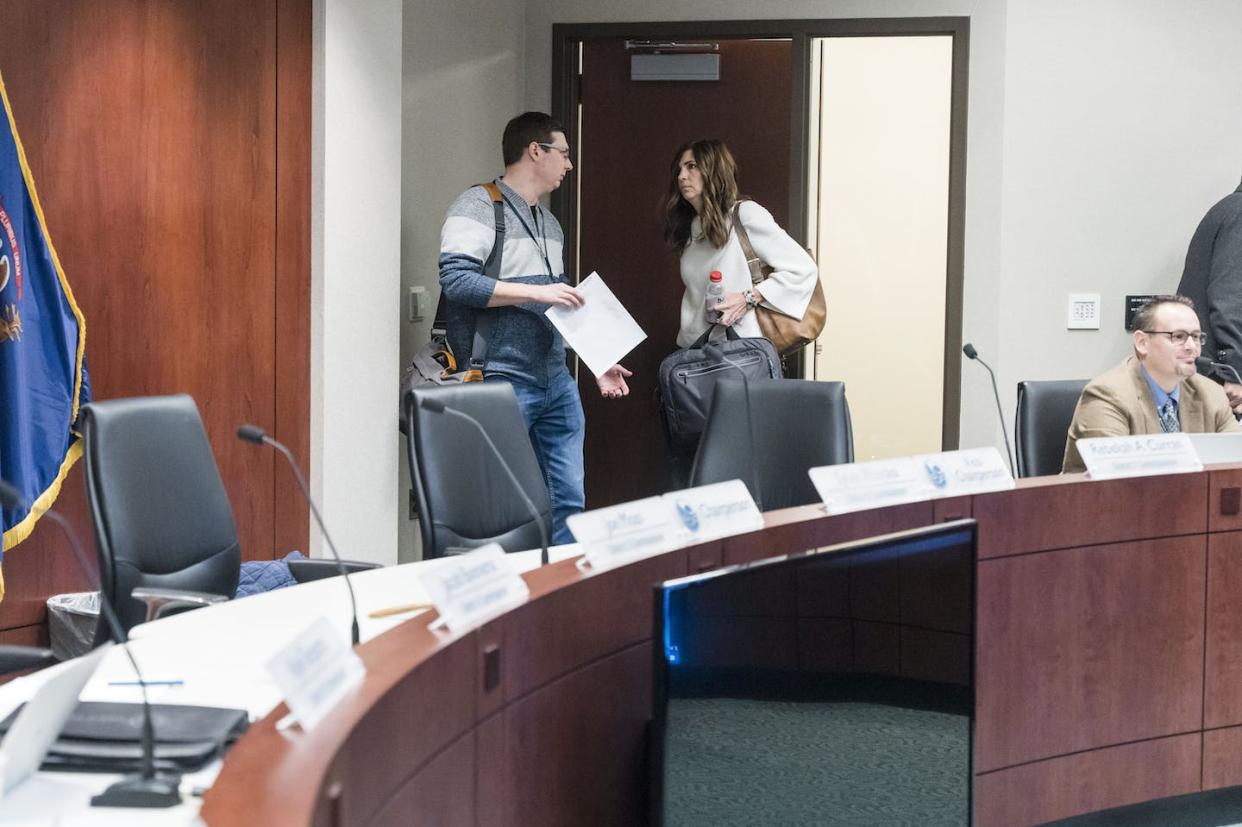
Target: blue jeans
{"points": [[557, 426]]}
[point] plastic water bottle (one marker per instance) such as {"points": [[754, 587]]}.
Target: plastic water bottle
{"points": [[715, 293]]}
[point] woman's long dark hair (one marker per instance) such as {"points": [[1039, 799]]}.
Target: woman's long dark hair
{"points": [[719, 172]]}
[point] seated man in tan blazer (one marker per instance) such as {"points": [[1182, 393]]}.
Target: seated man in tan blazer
{"points": [[1155, 390]]}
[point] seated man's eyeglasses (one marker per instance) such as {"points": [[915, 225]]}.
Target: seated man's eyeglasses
{"points": [[1179, 337], [564, 150]]}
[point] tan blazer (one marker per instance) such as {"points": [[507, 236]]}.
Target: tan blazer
{"points": [[1119, 403]]}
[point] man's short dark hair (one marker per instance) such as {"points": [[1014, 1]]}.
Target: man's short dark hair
{"points": [[1145, 316], [527, 127]]}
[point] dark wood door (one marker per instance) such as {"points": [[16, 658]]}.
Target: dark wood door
{"points": [[630, 130]]}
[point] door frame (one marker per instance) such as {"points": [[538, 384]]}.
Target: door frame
{"points": [[566, 92]]}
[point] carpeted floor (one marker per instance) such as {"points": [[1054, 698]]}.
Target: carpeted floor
{"points": [[814, 763]]}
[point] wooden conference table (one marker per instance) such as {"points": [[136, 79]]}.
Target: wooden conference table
{"points": [[1109, 671]]}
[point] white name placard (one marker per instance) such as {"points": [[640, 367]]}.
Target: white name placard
{"points": [[970, 471], [474, 587], [316, 670], [1109, 458], [715, 510], [856, 486], [625, 532]]}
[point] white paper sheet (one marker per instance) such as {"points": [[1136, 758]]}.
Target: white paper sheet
{"points": [[602, 331]]}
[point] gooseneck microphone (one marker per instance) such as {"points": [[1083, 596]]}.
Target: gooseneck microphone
{"points": [[255, 434], [973, 355], [436, 406], [713, 351], [1206, 365], [148, 788]]}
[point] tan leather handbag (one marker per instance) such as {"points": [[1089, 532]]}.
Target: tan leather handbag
{"points": [[786, 332]]}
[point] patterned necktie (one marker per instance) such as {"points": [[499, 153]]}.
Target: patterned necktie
{"points": [[1168, 417]]}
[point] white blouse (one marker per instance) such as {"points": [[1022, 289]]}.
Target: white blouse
{"points": [[787, 289]]}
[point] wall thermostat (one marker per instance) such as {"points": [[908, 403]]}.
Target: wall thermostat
{"points": [[1084, 311]]}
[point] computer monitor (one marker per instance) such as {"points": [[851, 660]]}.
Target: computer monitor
{"points": [[830, 687]]}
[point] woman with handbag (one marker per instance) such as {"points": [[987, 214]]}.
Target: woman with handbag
{"points": [[768, 289]]}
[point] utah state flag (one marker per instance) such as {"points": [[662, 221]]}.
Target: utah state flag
{"points": [[42, 343]]}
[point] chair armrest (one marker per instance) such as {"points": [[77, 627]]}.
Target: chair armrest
{"points": [[23, 658], [304, 571], [160, 602]]}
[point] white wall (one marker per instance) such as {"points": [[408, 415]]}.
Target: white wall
{"points": [[355, 269], [463, 81], [1123, 125]]}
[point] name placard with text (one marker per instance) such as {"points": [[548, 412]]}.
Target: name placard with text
{"points": [[473, 587], [968, 471], [625, 532], [315, 670], [861, 485], [715, 510], [1114, 457]]}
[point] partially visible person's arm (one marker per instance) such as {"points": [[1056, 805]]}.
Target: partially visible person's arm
{"points": [[1224, 301], [466, 241], [612, 383], [788, 287], [514, 292], [1098, 414]]}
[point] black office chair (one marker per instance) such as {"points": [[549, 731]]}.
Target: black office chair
{"points": [[464, 498], [164, 529], [797, 425], [1045, 410]]}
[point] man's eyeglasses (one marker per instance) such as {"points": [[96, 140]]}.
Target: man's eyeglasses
{"points": [[564, 150], [1179, 337]]}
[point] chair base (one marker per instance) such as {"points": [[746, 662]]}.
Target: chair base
{"points": [[159, 791]]}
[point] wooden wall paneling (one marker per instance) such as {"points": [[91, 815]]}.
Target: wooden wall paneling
{"points": [[1063, 787], [704, 557], [828, 644], [44, 565], [807, 527], [1039, 516], [574, 765], [22, 636], [1222, 696], [442, 793], [175, 181], [544, 638], [423, 712], [493, 773], [952, 508], [1224, 505], [1222, 758], [1085, 648]]}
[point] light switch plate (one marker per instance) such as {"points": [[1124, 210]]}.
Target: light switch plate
{"points": [[417, 304], [1084, 311]]}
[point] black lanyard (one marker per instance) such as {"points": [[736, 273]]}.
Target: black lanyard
{"points": [[543, 247]]}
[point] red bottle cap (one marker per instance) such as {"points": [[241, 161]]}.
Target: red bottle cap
{"points": [[715, 276]]}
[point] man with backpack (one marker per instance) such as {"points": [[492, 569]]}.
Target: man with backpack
{"points": [[501, 267]]}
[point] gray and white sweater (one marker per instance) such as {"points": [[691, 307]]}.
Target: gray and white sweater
{"points": [[523, 346]]}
